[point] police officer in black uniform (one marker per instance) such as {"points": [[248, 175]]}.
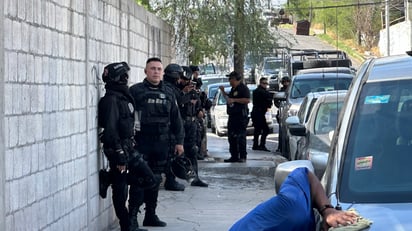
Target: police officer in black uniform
{"points": [[116, 117], [159, 117], [172, 74], [190, 108], [237, 109], [262, 101], [201, 120], [195, 74]]}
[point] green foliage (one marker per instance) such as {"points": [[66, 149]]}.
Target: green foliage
{"points": [[210, 27], [145, 4], [348, 20]]}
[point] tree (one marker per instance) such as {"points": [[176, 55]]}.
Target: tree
{"points": [[212, 28]]}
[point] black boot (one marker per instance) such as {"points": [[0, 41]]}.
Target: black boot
{"points": [[173, 185], [255, 145], [263, 148], [199, 183], [151, 219], [134, 225]]}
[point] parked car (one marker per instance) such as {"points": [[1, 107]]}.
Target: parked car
{"points": [[347, 70], [270, 69], [370, 156], [300, 86], [315, 142], [219, 116], [211, 91], [302, 118], [212, 78]]}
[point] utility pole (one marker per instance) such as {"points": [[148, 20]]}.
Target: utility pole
{"points": [[388, 36]]}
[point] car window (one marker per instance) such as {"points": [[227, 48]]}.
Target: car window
{"points": [[221, 100], [212, 92], [326, 117], [302, 109], [378, 153], [302, 87]]}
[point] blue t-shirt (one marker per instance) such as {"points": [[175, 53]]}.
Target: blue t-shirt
{"points": [[290, 210]]}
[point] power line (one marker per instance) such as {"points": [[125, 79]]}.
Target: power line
{"points": [[337, 6]]}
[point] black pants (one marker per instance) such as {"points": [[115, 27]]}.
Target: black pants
{"points": [[155, 152], [191, 142], [261, 129], [119, 196], [236, 129]]}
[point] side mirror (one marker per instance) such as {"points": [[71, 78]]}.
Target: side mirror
{"points": [[280, 95], [297, 129], [285, 168]]}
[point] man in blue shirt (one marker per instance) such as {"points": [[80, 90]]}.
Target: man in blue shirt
{"points": [[292, 208]]}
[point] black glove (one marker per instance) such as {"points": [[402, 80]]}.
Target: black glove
{"points": [[121, 157]]}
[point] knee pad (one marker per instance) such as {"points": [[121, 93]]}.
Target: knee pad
{"points": [[141, 175]]}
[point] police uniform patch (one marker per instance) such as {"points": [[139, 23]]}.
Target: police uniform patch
{"points": [[235, 93], [131, 108]]}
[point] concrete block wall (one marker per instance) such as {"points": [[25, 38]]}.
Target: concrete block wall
{"points": [[400, 39], [52, 53]]}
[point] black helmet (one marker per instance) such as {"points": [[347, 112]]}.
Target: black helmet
{"points": [[187, 73], [285, 79], [173, 72], [194, 68], [182, 168], [116, 73]]}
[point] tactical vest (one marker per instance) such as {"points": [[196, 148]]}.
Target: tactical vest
{"points": [[154, 113], [188, 109], [125, 122]]}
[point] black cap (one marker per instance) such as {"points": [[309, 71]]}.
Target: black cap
{"points": [[235, 75]]}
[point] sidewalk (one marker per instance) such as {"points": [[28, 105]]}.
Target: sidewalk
{"points": [[234, 189]]}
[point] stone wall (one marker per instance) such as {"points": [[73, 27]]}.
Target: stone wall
{"points": [[52, 53]]}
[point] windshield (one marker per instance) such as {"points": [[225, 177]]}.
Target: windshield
{"points": [[378, 155], [301, 87], [208, 81], [272, 65]]}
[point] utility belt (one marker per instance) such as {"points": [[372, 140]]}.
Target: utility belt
{"points": [[160, 137], [190, 118]]}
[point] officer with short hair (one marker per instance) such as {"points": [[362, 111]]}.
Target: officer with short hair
{"points": [[262, 101], [237, 108], [159, 117], [116, 117]]}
